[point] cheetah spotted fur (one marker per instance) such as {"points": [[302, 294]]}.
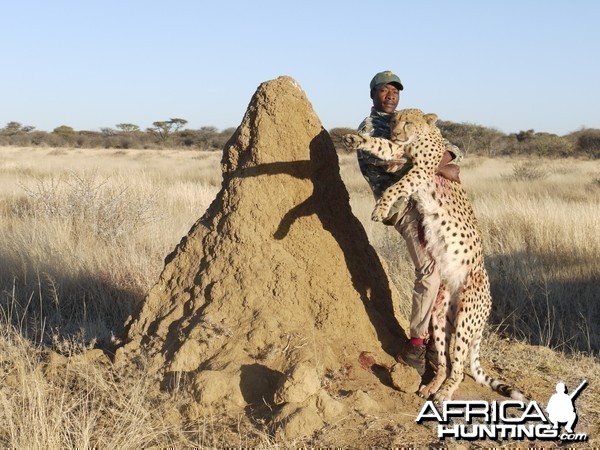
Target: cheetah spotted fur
{"points": [[451, 233]]}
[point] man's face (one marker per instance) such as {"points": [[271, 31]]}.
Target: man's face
{"points": [[386, 98]]}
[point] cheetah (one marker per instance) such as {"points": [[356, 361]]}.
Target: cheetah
{"points": [[464, 301]]}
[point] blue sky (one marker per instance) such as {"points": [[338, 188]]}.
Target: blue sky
{"points": [[512, 65]]}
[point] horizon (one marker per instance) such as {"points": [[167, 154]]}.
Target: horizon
{"points": [[221, 130]]}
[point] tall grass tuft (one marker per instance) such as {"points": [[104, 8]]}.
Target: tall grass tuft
{"points": [[91, 203]]}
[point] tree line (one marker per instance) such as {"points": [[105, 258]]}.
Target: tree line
{"points": [[163, 134], [171, 133]]}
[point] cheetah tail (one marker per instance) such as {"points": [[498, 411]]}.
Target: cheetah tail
{"points": [[482, 378]]}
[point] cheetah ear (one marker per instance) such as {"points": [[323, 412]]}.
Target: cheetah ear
{"points": [[431, 118]]}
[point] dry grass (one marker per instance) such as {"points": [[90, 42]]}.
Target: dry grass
{"points": [[85, 232], [83, 235], [542, 249]]}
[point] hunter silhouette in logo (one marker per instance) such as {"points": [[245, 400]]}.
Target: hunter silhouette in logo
{"points": [[561, 408]]}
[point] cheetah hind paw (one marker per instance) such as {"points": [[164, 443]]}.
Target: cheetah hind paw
{"points": [[441, 396], [425, 392]]}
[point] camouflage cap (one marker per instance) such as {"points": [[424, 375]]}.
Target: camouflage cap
{"points": [[386, 77]]}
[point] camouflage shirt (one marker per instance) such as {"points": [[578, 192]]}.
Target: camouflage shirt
{"points": [[382, 174], [379, 174]]}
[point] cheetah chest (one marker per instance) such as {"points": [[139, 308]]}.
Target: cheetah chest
{"points": [[450, 230]]}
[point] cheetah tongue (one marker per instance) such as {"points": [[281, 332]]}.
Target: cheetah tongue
{"points": [[449, 172]]}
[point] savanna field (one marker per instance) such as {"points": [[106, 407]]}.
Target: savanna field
{"points": [[84, 234]]}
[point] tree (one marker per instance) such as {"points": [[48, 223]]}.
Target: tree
{"points": [[524, 136], [127, 127], [163, 130], [12, 128], [64, 131]]}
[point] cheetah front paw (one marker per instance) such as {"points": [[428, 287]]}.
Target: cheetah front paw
{"points": [[380, 213], [352, 141], [384, 211]]}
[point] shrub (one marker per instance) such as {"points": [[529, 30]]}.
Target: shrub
{"points": [[205, 138], [107, 210], [539, 144], [528, 171], [546, 144], [64, 130], [588, 142]]}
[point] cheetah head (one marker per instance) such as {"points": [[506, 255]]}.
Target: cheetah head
{"points": [[407, 124]]}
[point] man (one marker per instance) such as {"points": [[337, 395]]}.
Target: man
{"points": [[560, 408], [385, 93]]}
